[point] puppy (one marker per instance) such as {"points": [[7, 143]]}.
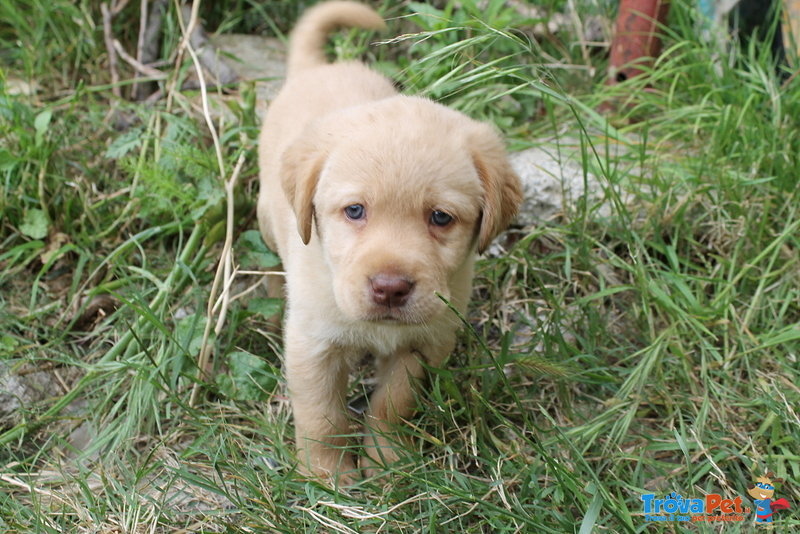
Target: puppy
{"points": [[377, 204]]}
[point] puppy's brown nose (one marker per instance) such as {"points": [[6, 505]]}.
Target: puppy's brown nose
{"points": [[390, 290]]}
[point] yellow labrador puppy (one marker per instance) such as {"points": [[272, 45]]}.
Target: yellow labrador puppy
{"points": [[377, 204]]}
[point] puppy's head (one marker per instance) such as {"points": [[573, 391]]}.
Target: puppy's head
{"points": [[401, 193]]}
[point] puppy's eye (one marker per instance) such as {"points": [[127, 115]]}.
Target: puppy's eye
{"points": [[440, 218], [355, 212]]}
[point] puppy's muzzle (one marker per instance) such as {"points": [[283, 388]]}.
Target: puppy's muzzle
{"points": [[390, 290]]}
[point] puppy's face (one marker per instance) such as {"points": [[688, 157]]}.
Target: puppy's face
{"points": [[395, 226], [401, 194]]}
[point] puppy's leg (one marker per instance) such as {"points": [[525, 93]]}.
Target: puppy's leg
{"points": [[394, 401], [317, 380]]}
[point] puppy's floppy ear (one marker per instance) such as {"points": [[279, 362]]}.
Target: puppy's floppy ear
{"points": [[301, 166], [502, 190]]}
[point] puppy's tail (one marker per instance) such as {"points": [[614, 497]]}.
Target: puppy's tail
{"points": [[307, 42]]}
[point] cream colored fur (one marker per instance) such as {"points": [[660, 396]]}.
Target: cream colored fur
{"points": [[336, 136]]}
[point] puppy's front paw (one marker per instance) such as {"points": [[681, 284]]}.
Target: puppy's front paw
{"points": [[346, 476], [381, 452], [333, 465]]}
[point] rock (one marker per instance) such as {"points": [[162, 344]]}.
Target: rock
{"points": [[20, 391], [18, 86], [553, 182], [255, 58]]}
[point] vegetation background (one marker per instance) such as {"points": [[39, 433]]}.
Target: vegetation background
{"points": [[649, 347]]}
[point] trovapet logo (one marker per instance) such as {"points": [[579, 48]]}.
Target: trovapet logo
{"points": [[674, 507], [762, 492], [714, 507]]}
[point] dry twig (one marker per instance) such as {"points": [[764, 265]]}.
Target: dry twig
{"points": [[224, 275], [139, 45], [154, 23], [117, 7], [112, 55], [207, 55], [151, 19], [137, 65]]}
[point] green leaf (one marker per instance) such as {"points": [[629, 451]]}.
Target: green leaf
{"points": [[592, 513], [7, 344], [7, 160], [265, 307], [40, 125], [785, 335], [255, 251], [34, 224], [426, 9], [210, 195], [428, 16], [189, 333], [250, 378], [124, 143]]}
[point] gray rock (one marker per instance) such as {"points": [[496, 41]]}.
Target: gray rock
{"points": [[254, 58], [553, 181], [19, 391]]}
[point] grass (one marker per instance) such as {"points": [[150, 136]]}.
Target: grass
{"points": [[648, 348]]}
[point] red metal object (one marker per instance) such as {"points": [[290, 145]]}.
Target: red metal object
{"points": [[636, 41]]}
